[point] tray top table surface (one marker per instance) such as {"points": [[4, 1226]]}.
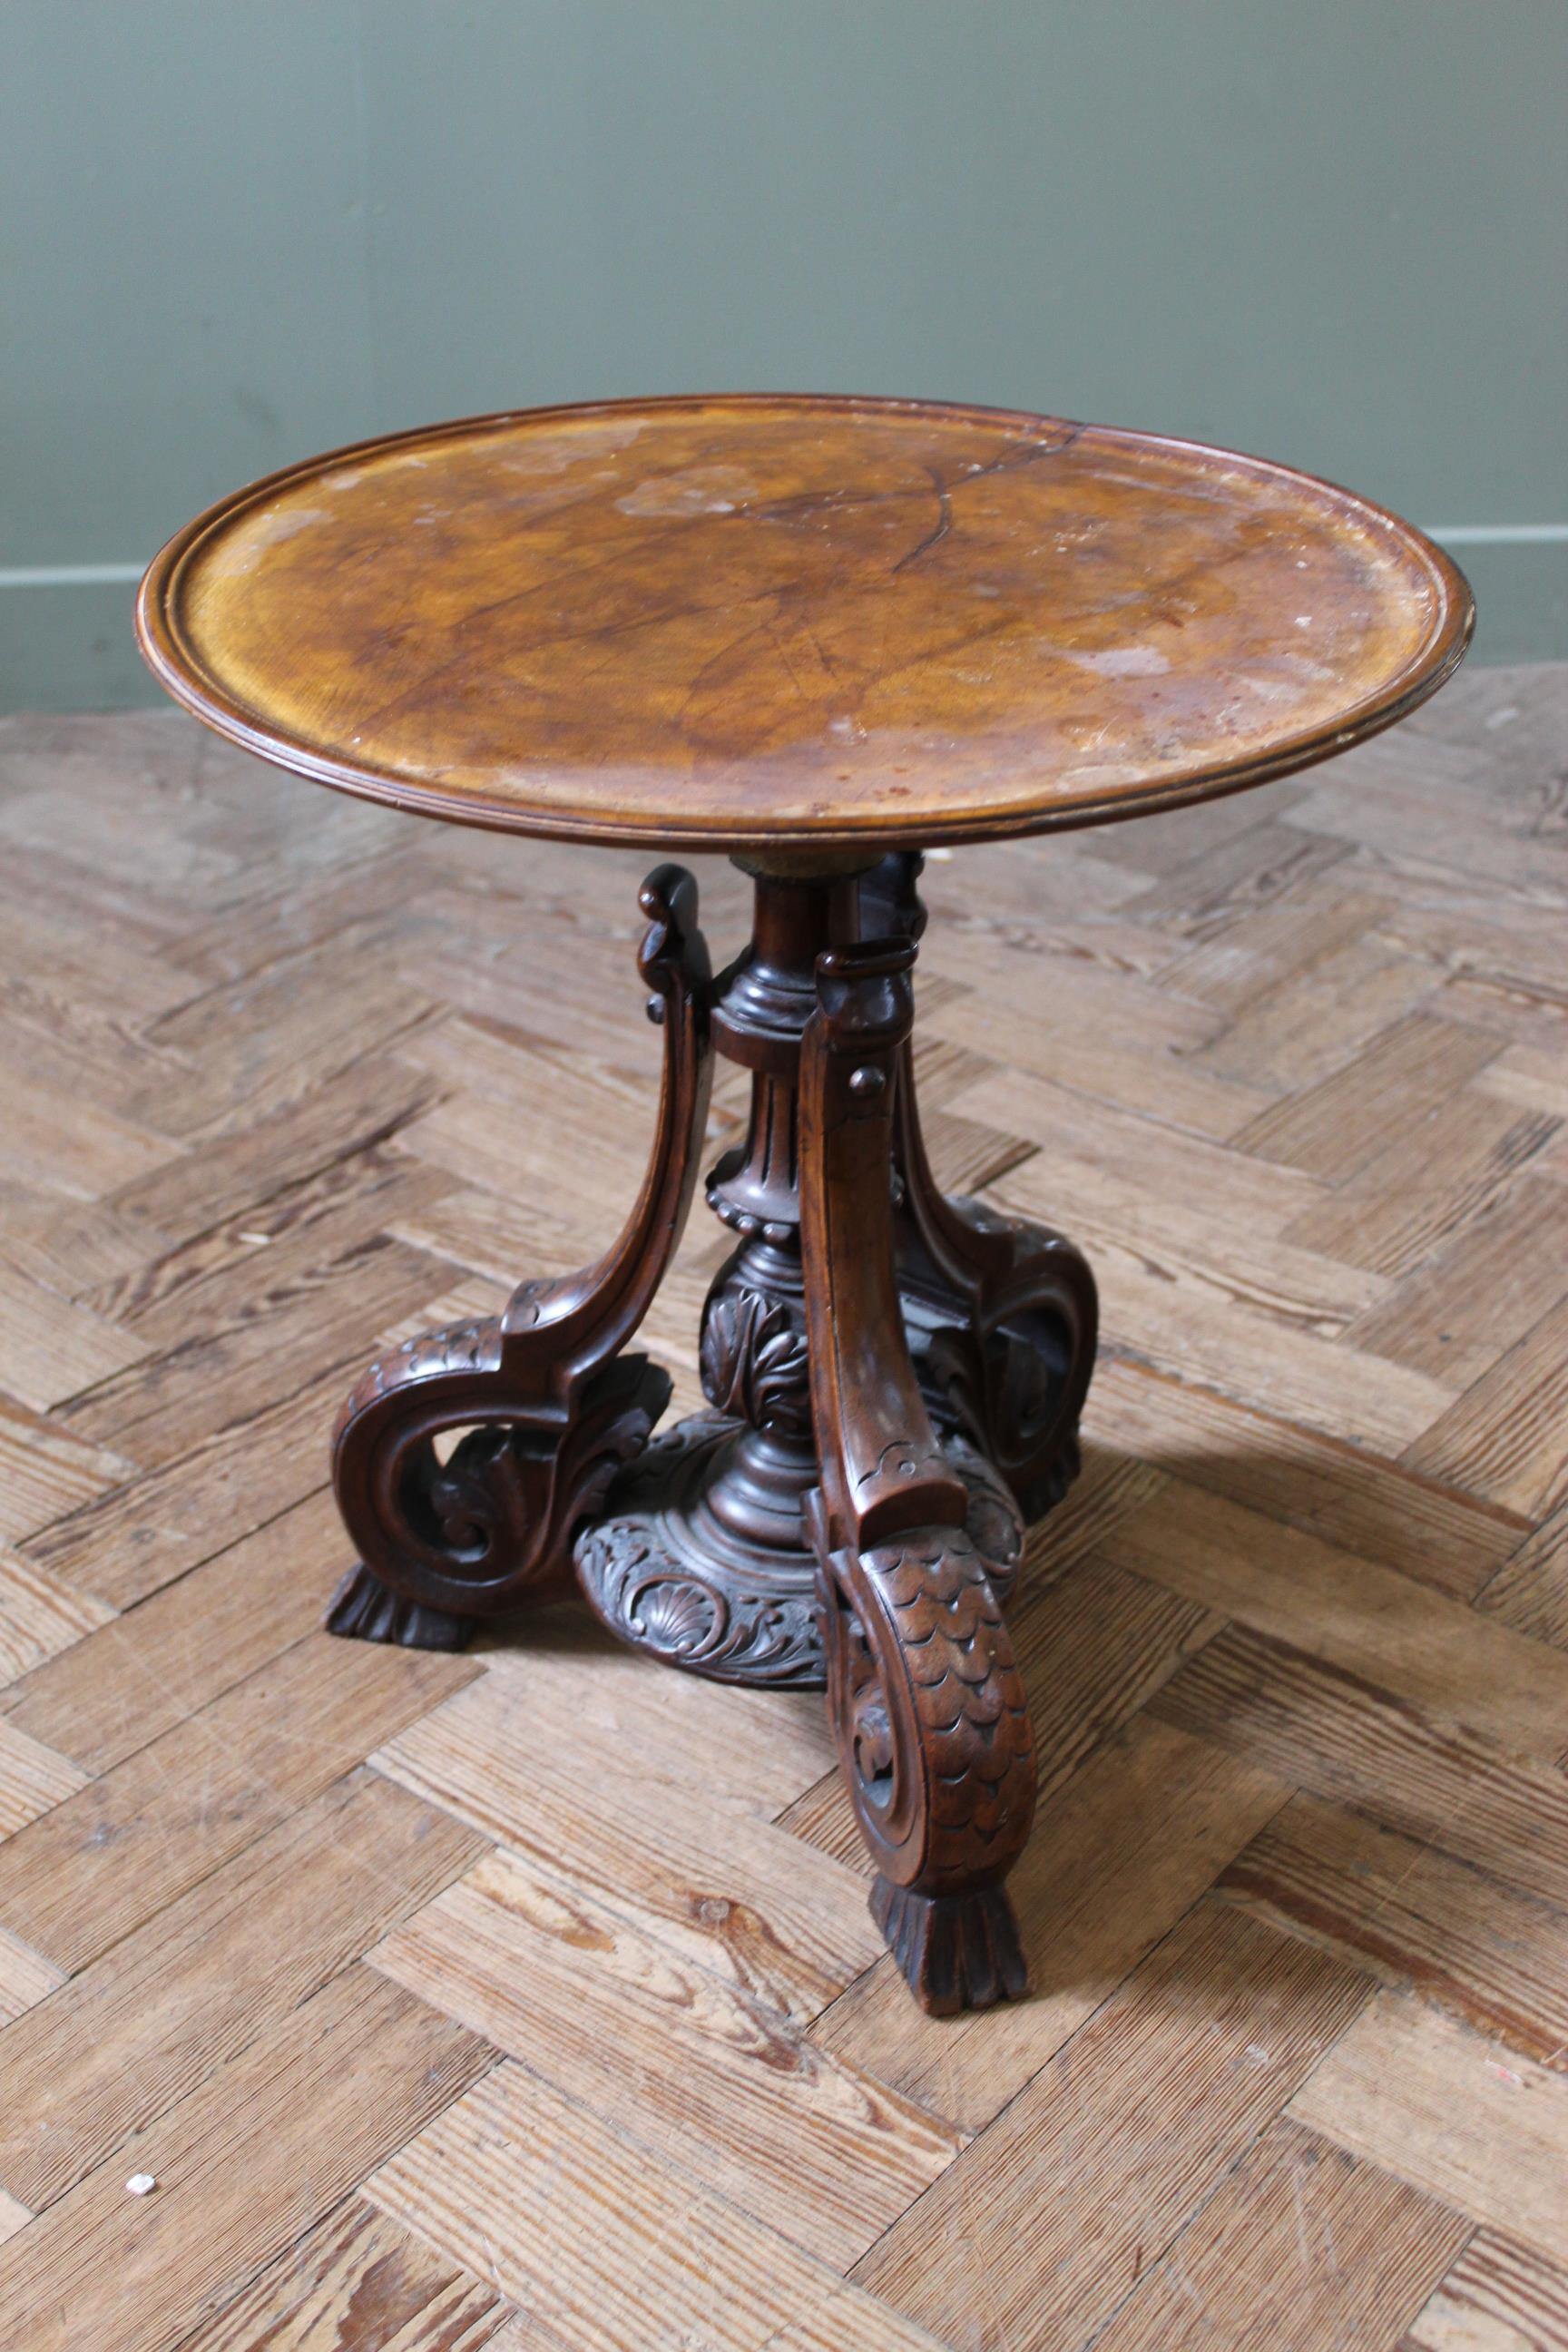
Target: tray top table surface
{"points": [[748, 623]]}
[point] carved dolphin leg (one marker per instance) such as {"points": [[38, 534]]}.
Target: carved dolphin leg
{"points": [[547, 1404], [926, 1705], [1004, 1314]]}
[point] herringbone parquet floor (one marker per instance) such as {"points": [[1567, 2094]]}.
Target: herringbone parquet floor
{"points": [[433, 2034]]}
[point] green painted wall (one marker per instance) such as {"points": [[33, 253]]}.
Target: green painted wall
{"points": [[232, 234]]}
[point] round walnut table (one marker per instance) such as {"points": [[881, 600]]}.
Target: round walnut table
{"points": [[819, 635]]}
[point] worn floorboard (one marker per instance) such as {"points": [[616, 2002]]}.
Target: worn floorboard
{"points": [[529, 1999]]}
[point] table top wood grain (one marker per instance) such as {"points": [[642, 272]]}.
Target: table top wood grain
{"points": [[744, 623]]}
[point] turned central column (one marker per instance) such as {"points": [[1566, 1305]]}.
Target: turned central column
{"points": [[703, 1555], [754, 1354]]}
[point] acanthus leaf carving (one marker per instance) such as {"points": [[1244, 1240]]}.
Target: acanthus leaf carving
{"points": [[754, 1361]]}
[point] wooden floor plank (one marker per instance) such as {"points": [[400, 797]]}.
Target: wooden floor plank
{"points": [[49, 1349], [297, 907], [56, 1138], [1504, 1437], [67, 1243], [32, 1778], [1298, 1033], [529, 2192], [1533, 1077], [1499, 2297], [1242, 961], [243, 1166], [45, 1472], [1332, 1129], [1424, 1186], [1247, 866], [1490, 1952], [589, 1156], [1529, 1591], [1344, 1495], [1156, 1156], [95, 2066], [708, 2075], [1304, 2245], [139, 1537], [285, 1085], [1480, 1292], [39, 1614], [1034, 2235], [1426, 826], [243, 1266], [1367, 1620], [488, 1234], [167, 1404], [1186, 1240], [256, 2155], [715, 1881], [26, 1978], [98, 1866], [848, 2321], [358, 2282], [558, 1673], [1109, 1485], [141, 1674], [1446, 2109], [286, 1030], [1463, 1794], [1091, 1048], [1212, 1339]]}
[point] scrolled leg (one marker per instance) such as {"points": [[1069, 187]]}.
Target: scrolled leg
{"points": [[466, 1459], [1002, 1314], [443, 1543], [1007, 1315], [928, 1707]]}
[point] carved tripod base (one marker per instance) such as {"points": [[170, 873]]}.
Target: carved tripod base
{"points": [[896, 1380], [671, 1568], [668, 1570]]}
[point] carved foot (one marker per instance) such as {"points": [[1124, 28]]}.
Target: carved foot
{"points": [[953, 1951], [934, 1739], [362, 1610]]}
